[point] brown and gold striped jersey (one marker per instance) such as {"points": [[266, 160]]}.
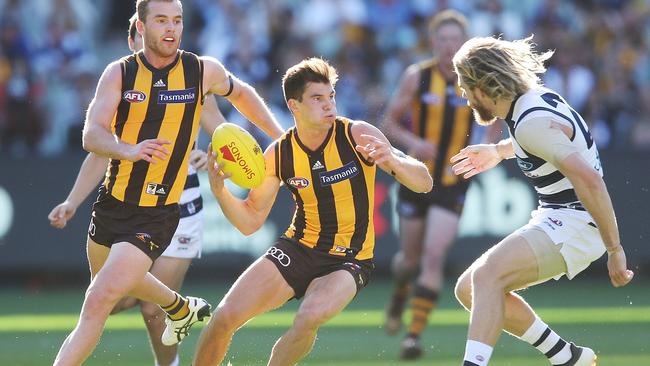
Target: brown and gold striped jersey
{"points": [[333, 187], [441, 116], [156, 103]]}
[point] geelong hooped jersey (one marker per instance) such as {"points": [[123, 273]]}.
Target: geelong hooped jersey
{"points": [[552, 187], [156, 103], [441, 116], [333, 187]]}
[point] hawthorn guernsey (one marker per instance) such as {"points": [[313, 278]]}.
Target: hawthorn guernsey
{"points": [[240, 155]]}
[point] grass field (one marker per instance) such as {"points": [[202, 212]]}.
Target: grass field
{"points": [[615, 322]]}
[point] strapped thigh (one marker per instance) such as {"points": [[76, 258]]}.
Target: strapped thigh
{"points": [[550, 262]]}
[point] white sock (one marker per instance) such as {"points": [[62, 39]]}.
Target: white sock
{"points": [[540, 336], [477, 353], [176, 361]]}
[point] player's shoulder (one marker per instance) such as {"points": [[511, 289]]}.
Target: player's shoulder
{"points": [[535, 103]]}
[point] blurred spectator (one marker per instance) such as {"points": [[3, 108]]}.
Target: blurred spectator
{"points": [[601, 65]]}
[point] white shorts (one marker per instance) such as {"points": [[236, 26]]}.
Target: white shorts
{"points": [[188, 238], [575, 231]]}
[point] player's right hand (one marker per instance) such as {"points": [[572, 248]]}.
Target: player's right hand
{"points": [[617, 268], [475, 159], [147, 150], [422, 150], [60, 214]]}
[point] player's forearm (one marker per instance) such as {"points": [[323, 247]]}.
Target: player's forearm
{"points": [[505, 149], [413, 174], [238, 212], [594, 196], [251, 105], [102, 142], [90, 174]]}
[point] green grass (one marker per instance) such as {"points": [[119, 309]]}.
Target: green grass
{"points": [[615, 322]]}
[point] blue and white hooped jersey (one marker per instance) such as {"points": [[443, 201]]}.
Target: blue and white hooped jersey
{"points": [[191, 201], [553, 188]]}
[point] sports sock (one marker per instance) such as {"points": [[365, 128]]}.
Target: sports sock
{"points": [[422, 303], [178, 309], [556, 349], [476, 353], [397, 301], [176, 362]]}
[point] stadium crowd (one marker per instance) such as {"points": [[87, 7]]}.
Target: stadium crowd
{"points": [[52, 51]]}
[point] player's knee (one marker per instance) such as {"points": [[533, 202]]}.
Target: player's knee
{"points": [[225, 319], [311, 318], [463, 290], [151, 312], [486, 275], [402, 268], [101, 299]]}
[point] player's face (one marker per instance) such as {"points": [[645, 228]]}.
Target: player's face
{"points": [[447, 40], [163, 28], [318, 106], [480, 105]]}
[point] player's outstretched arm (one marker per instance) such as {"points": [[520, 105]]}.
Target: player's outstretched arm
{"points": [[90, 174], [476, 159], [219, 81], [249, 214], [374, 147], [97, 135]]}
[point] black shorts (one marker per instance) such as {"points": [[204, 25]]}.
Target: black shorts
{"points": [[416, 205], [299, 265], [149, 228]]}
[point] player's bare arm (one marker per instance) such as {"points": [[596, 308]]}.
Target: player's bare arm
{"points": [[397, 109], [211, 116], [217, 80], [374, 146], [97, 135], [592, 192], [90, 174], [249, 214]]}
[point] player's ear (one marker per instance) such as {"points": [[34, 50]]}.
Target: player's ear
{"points": [[139, 25], [293, 105]]}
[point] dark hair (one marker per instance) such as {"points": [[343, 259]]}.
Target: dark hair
{"points": [[448, 16], [132, 28], [141, 7], [314, 70]]}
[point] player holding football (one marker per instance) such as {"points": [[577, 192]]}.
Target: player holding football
{"points": [[145, 117], [328, 163], [575, 221]]}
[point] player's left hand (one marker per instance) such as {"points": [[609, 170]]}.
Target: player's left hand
{"points": [[617, 268], [198, 159], [376, 150], [216, 175]]}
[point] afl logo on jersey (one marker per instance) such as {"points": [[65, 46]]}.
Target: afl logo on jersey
{"points": [[134, 96], [298, 182]]}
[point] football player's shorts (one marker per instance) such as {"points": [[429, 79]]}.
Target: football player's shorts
{"points": [[299, 265], [574, 234], [188, 238], [415, 205], [149, 228]]}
